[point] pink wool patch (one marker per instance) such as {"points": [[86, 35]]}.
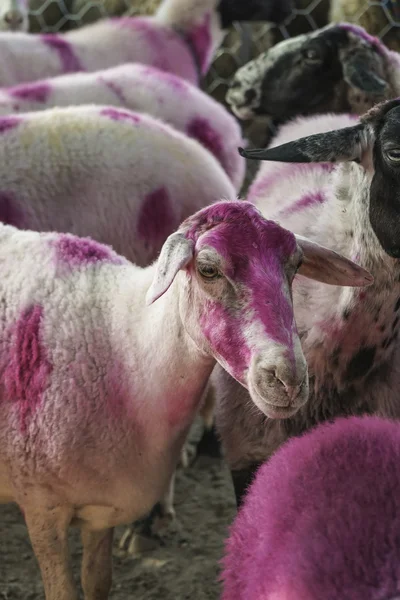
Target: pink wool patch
{"points": [[361, 33], [200, 39], [76, 251], [115, 89], [69, 61], [263, 184], [311, 199], [120, 115], [156, 218], [36, 91], [28, 370], [7, 123], [201, 130], [255, 253]]}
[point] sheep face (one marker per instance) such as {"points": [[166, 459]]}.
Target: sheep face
{"points": [[235, 299], [375, 145], [274, 11], [13, 15], [337, 68]]}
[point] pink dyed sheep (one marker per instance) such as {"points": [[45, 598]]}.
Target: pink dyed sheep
{"points": [[121, 177], [337, 68], [322, 519], [181, 38], [102, 366], [14, 15], [140, 88]]}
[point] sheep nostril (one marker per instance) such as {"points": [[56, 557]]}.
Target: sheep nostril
{"points": [[250, 95], [13, 18]]}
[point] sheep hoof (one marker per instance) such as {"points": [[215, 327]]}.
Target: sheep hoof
{"points": [[140, 544]]}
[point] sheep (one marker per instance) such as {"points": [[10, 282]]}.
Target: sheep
{"points": [[102, 365], [339, 68], [346, 198], [140, 88], [181, 38], [59, 171], [322, 518], [14, 15], [380, 19]]}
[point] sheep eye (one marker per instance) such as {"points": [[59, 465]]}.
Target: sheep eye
{"points": [[208, 272], [311, 54], [393, 155]]}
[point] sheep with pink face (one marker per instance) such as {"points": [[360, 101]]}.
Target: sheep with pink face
{"points": [[145, 89], [92, 421], [180, 38], [321, 519], [14, 15]]}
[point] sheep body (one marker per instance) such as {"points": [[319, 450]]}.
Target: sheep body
{"points": [[60, 172], [321, 519], [103, 364], [164, 41], [140, 88], [349, 339]]}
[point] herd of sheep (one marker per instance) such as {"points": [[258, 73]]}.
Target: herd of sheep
{"points": [[138, 291]]}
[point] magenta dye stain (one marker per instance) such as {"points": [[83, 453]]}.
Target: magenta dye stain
{"points": [[201, 130], [69, 61], [255, 251], [364, 35], [36, 91], [200, 39], [120, 115], [10, 212], [75, 251], [7, 123], [156, 218], [310, 199], [115, 89], [27, 374]]}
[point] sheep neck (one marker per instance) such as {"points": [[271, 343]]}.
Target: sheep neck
{"points": [[356, 337], [170, 372]]}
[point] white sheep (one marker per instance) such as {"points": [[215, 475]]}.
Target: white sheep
{"points": [[14, 15], [140, 88], [322, 518], [123, 178], [349, 337], [103, 365], [181, 38], [339, 68]]}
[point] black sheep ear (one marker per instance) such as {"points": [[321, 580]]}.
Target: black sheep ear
{"points": [[340, 145], [358, 73], [273, 11]]}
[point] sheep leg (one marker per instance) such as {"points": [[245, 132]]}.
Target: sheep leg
{"points": [[48, 532], [96, 563], [209, 444], [241, 480]]}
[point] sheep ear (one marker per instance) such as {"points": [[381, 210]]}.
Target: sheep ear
{"points": [[358, 74], [175, 254], [340, 145], [361, 67], [327, 266]]}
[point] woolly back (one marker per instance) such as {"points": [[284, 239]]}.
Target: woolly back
{"points": [[322, 518]]}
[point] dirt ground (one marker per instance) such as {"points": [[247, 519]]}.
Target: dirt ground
{"points": [[185, 567]]}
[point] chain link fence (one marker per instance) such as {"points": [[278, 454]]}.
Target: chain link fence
{"points": [[243, 42]]}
